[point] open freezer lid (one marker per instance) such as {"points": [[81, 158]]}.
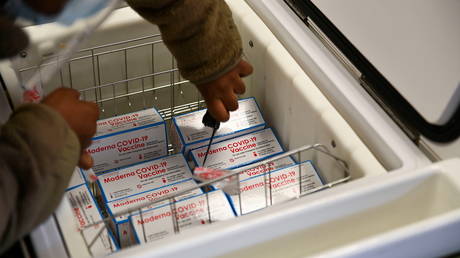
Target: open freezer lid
{"points": [[408, 53]]}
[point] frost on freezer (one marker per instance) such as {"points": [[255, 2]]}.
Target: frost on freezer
{"points": [[167, 220], [190, 133], [275, 187], [83, 211], [239, 151], [128, 139]]}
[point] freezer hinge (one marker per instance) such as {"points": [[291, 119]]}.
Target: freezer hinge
{"points": [[333, 49]]}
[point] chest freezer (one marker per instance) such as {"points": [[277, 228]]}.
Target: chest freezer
{"points": [[393, 198]]}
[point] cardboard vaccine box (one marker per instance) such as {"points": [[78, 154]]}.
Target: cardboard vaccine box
{"points": [[124, 182], [120, 205], [190, 133], [124, 229], [142, 183], [260, 169], [266, 167], [275, 187], [164, 221], [85, 212], [128, 139], [239, 151], [76, 179]]}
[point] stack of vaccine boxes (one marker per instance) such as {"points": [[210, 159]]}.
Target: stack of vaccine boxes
{"points": [[278, 185], [166, 220], [134, 186], [84, 211], [190, 133], [130, 154], [128, 139], [123, 141], [267, 184]]}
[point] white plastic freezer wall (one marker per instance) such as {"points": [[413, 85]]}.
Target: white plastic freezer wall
{"points": [[412, 214], [299, 113]]}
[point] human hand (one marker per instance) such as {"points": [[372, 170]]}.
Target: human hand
{"points": [[221, 94], [80, 115]]}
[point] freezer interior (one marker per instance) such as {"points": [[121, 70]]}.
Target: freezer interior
{"points": [[399, 215], [125, 67]]}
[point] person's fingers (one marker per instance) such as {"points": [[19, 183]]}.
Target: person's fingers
{"points": [[244, 68], [218, 110], [86, 161], [85, 141], [93, 109], [239, 87], [90, 130], [230, 101], [69, 92]]}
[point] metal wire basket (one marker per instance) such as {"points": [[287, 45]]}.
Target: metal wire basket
{"points": [[299, 188], [154, 81]]}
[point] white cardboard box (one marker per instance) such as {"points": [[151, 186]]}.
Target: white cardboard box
{"points": [[124, 229], [85, 211], [263, 168], [195, 211], [120, 205], [76, 179], [239, 151], [140, 178], [128, 139], [190, 133], [266, 167], [277, 186]]}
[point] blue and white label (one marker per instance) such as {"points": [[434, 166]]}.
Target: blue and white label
{"points": [[145, 198], [165, 221], [144, 177], [126, 122], [128, 139], [86, 212], [190, 133], [239, 151], [275, 187]]}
